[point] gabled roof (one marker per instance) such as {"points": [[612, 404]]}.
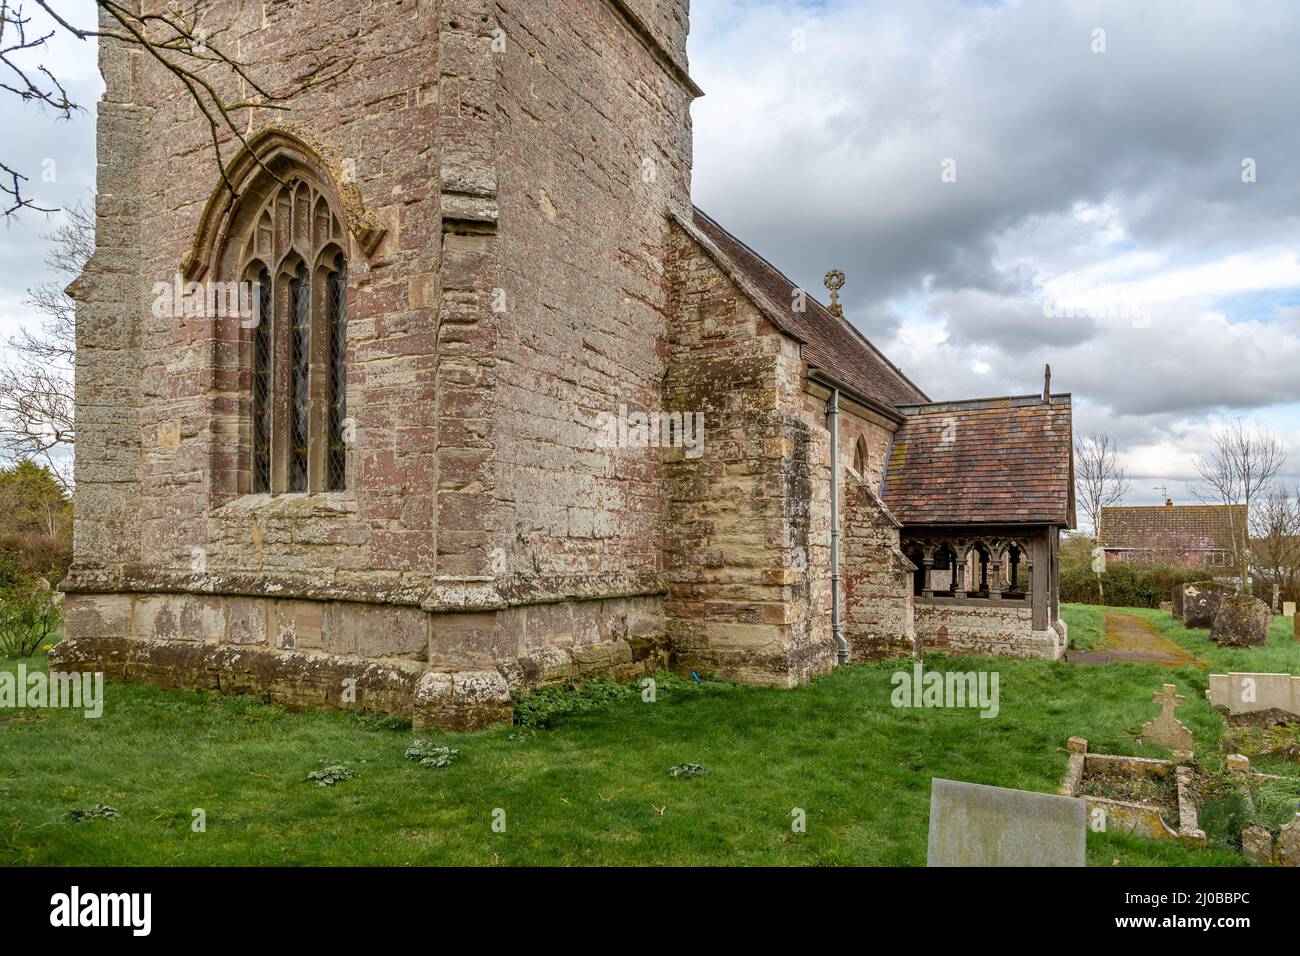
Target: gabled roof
{"points": [[984, 461], [1170, 527], [830, 343]]}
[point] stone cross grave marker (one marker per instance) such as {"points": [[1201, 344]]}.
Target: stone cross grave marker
{"points": [[1166, 729], [975, 825]]}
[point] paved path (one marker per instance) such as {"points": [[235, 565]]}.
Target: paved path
{"points": [[1132, 638]]}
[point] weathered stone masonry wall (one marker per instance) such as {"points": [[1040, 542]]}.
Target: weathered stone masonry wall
{"points": [[111, 292], [738, 532], [748, 549], [986, 627], [157, 476], [878, 612], [358, 656], [477, 491], [590, 162], [857, 563], [528, 280]]}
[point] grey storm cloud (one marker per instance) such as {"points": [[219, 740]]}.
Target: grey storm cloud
{"points": [[1014, 325], [844, 142], [1033, 119]]}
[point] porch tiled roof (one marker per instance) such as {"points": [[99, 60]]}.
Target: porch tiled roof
{"points": [[984, 461]]}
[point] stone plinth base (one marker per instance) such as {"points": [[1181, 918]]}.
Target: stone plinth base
{"points": [[447, 671]]}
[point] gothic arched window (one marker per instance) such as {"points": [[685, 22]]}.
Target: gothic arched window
{"points": [[293, 250]]}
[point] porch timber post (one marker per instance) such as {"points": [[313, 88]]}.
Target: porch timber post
{"points": [[1040, 578]]}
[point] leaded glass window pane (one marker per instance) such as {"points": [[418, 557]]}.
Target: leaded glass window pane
{"points": [[300, 379], [337, 315], [294, 248], [262, 387]]}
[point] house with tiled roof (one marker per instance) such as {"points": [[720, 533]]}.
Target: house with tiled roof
{"points": [[493, 405], [1197, 536]]}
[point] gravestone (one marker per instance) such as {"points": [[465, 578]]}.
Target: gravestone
{"points": [[1244, 693], [1242, 621], [1257, 845], [1166, 729], [976, 825], [1177, 595], [1288, 608], [1201, 602], [1288, 843]]}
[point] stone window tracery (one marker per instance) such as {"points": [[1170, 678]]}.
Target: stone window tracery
{"points": [[293, 248]]}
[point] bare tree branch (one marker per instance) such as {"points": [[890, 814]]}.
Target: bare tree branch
{"points": [[37, 406], [1099, 479], [1245, 460], [1275, 539], [177, 42]]}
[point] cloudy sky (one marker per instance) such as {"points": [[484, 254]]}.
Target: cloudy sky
{"points": [[1098, 219], [1005, 184]]}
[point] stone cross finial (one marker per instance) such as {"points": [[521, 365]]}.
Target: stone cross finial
{"points": [[1168, 699], [1167, 730], [835, 281]]}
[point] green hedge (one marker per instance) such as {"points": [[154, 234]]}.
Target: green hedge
{"points": [[1127, 583]]}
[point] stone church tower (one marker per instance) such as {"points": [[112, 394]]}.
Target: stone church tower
{"points": [[417, 475]]}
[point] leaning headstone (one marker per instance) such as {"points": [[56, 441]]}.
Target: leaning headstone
{"points": [[1257, 845], [1288, 843], [1166, 729], [1242, 621], [1288, 608], [975, 825], [1201, 602]]}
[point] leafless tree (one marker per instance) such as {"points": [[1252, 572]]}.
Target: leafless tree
{"points": [[37, 409], [1275, 538], [174, 38], [1244, 462], [1099, 479]]}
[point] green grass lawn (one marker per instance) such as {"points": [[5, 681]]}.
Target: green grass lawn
{"points": [[594, 788], [1280, 653], [1086, 623]]}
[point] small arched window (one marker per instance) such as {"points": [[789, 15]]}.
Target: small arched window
{"points": [[860, 457], [293, 250]]}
